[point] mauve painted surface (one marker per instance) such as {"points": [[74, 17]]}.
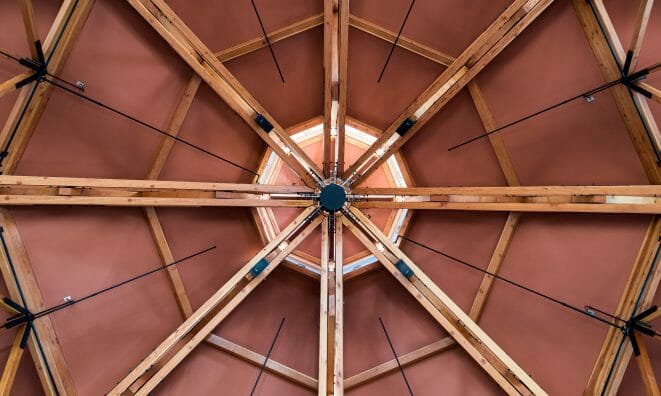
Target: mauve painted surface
{"points": [[584, 259]]}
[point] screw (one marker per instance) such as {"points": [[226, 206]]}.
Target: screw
{"points": [[80, 85], [589, 98]]}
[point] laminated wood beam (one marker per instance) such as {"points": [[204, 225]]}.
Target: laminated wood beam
{"points": [[336, 35], [331, 317]]}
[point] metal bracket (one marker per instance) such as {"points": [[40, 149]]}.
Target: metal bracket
{"points": [[259, 267], [404, 269]]}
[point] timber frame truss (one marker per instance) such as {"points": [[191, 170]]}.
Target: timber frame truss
{"points": [[328, 200]]}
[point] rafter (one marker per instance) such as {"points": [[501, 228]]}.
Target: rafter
{"points": [[633, 109], [10, 85], [53, 357], [31, 32], [471, 337], [331, 313], [336, 35], [257, 360], [13, 361], [151, 371], [32, 99], [582, 199], [639, 32], [655, 92], [191, 49], [405, 360], [645, 367], [604, 380], [480, 53]]}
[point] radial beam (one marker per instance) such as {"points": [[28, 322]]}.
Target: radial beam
{"points": [[52, 362], [155, 367], [633, 109], [331, 317], [32, 99], [645, 366], [610, 365], [336, 36], [465, 67], [581, 199], [191, 49], [460, 326]]}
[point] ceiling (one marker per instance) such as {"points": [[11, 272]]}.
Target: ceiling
{"points": [[579, 258]]}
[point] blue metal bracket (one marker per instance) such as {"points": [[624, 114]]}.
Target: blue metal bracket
{"points": [[404, 269], [259, 267]]}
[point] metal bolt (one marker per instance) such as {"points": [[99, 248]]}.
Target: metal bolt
{"points": [[68, 299], [80, 85], [589, 98]]}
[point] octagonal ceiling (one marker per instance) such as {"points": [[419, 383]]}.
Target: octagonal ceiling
{"points": [[123, 62]]}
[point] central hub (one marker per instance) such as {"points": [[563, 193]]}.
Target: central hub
{"points": [[332, 197]]}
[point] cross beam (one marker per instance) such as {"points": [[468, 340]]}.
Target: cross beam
{"points": [[331, 316], [460, 326], [336, 36], [36, 190], [582, 199], [155, 367], [480, 53], [193, 51]]}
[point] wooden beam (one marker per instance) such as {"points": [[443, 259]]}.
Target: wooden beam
{"points": [[10, 85], [199, 325], [655, 92], [54, 358], [32, 99], [465, 67], [645, 367], [496, 261], [495, 139], [610, 69], [277, 35], [174, 126], [403, 42], [257, 360], [191, 49], [13, 361], [577, 199], [523, 191], [639, 32], [31, 32], [145, 185], [336, 36], [460, 326], [331, 322], [34, 190], [635, 287], [167, 257], [407, 359]]}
